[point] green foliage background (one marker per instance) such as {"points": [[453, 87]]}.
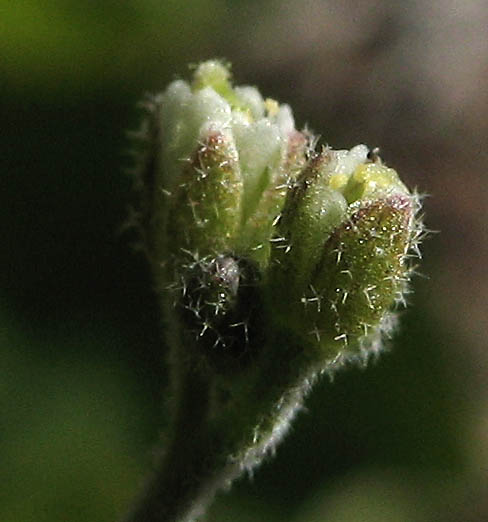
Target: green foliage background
{"points": [[82, 376]]}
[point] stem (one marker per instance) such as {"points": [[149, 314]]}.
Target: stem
{"points": [[177, 481], [197, 461]]}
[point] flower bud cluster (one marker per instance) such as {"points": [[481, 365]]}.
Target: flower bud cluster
{"points": [[243, 207], [275, 260]]}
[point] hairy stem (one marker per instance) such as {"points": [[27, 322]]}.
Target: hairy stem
{"points": [[213, 441], [186, 464]]}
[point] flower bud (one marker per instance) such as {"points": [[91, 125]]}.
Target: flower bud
{"points": [[363, 270], [226, 157], [312, 210], [220, 165], [346, 227]]}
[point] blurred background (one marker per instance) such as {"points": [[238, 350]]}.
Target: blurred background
{"points": [[82, 374]]}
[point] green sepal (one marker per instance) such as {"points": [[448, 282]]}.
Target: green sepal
{"points": [[312, 210], [205, 209], [362, 272]]}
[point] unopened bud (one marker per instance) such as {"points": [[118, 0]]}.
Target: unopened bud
{"points": [[340, 263], [363, 271]]}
